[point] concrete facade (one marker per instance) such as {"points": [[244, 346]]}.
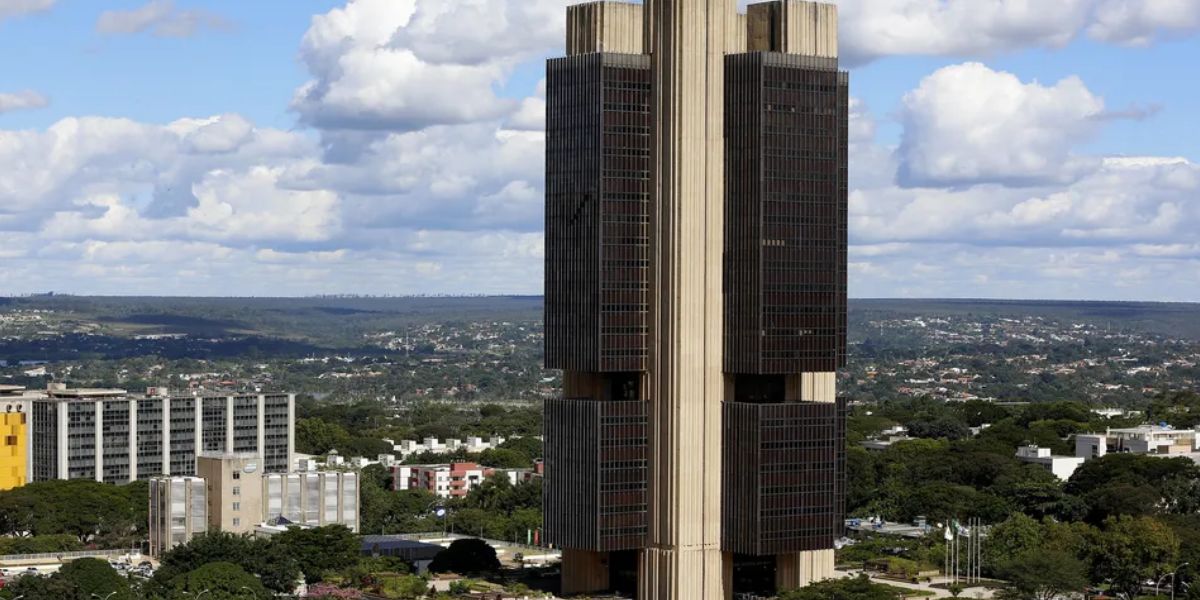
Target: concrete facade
{"points": [[178, 511], [235, 490], [114, 436]]}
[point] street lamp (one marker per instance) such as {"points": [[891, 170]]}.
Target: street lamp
{"points": [[1172, 575]]}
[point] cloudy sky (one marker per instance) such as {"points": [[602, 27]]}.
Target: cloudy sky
{"points": [[1001, 148]]}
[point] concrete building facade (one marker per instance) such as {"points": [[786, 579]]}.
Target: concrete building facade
{"points": [[696, 209], [117, 437], [314, 499], [178, 511], [1154, 440], [235, 490], [1061, 467]]}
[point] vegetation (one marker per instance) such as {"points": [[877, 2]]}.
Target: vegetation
{"points": [[466, 556], [858, 588]]}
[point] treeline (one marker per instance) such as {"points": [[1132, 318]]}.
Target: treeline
{"points": [[358, 429]]}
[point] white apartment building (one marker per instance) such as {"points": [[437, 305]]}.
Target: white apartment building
{"points": [[433, 445], [1061, 467], [1155, 440]]}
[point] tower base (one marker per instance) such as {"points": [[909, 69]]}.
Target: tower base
{"points": [[803, 568], [687, 574]]}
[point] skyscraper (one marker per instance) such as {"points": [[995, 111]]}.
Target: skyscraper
{"points": [[696, 296]]}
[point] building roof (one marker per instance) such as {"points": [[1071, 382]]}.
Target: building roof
{"points": [[395, 545], [61, 393], [11, 389]]}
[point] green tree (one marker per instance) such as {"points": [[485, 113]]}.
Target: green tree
{"points": [[317, 436], [56, 588], [468, 556], [218, 581], [320, 550], [1131, 550], [858, 588], [95, 577], [1042, 575], [277, 570]]}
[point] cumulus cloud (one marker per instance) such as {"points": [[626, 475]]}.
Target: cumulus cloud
{"points": [[1140, 22], [161, 18], [872, 29], [967, 124], [22, 100], [17, 8]]}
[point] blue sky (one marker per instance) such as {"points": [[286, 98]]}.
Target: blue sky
{"points": [[394, 146]]}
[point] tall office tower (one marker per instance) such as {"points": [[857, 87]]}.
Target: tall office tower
{"points": [[117, 437], [695, 296]]}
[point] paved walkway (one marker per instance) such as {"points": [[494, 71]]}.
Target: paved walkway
{"points": [[938, 592]]}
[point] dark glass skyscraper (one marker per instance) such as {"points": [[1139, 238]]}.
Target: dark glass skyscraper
{"points": [[696, 297]]}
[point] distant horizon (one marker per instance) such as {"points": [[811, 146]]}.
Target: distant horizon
{"points": [[350, 296]]}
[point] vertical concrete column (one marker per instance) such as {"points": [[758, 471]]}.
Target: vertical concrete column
{"points": [[291, 433], [166, 435], [687, 40], [261, 429], [198, 444], [229, 424], [133, 437], [99, 440], [63, 438]]}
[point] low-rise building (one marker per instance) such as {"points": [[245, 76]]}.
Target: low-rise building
{"points": [[447, 480], [881, 444], [237, 497], [1061, 467], [516, 476], [312, 499], [178, 511], [1154, 440]]}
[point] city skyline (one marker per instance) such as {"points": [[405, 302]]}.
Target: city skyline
{"points": [[410, 164]]}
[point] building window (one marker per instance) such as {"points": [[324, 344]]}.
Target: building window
{"points": [[237, 491], [237, 506], [237, 522], [10, 440], [237, 475]]}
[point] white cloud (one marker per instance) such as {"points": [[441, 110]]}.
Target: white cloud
{"points": [[394, 64], [874, 28], [160, 18], [967, 124], [22, 100], [1140, 22], [17, 8]]}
